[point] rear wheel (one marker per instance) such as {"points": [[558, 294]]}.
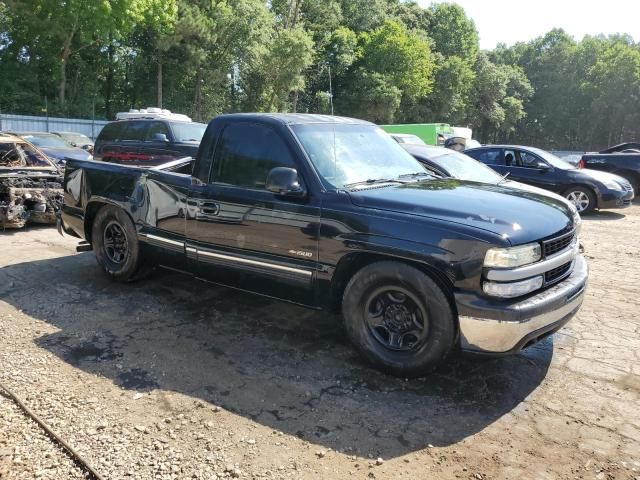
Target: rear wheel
{"points": [[398, 318], [115, 244], [582, 198]]}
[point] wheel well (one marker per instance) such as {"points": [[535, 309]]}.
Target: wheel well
{"points": [[350, 265], [90, 214]]}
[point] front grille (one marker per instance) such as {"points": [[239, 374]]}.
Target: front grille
{"points": [[557, 274], [557, 244], [627, 187]]}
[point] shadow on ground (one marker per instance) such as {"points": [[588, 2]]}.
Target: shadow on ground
{"points": [[285, 367], [604, 215]]}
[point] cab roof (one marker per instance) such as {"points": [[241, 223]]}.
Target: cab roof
{"points": [[296, 118]]}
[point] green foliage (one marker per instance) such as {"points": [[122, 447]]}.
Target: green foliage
{"points": [[453, 33], [279, 71], [382, 60]]}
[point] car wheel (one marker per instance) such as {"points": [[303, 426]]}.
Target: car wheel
{"points": [[582, 198], [115, 244], [398, 318]]}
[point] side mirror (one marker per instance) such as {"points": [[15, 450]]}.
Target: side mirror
{"points": [[543, 166], [285, 182], [160, 137]]}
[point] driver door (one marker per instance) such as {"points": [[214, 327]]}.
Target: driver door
{"points": [[245, 236], [533, 170]]}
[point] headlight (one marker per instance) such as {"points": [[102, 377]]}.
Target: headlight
{"points": [[612, 184], [512, 289], [513, 256]]}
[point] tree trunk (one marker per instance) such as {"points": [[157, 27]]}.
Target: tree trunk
{"points": [[66, 53], [160, 79], [197, 99], [109, 86]]}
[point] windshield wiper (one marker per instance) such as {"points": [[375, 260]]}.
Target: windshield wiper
{"points": [[415, 174], [503, 178], [372, 181]]}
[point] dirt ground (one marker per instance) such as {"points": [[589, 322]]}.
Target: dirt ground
{"points": [[173, 378]]}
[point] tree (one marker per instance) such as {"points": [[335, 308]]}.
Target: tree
{"points": [[452, 32], [279, 71], [72, 25], [211, 39], [395, 64], [498, 94]]}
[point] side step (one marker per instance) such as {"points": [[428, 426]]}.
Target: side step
{"points": [[84, 246]]}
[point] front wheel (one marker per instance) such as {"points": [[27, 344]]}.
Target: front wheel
{"points": [[398, 318], [582, 198], [115, 244]]}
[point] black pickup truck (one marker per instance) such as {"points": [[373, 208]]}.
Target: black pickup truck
{"points": [[331, 213], [623, 160]]}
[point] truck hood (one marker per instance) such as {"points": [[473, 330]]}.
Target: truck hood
{"points": [[520, 216]]}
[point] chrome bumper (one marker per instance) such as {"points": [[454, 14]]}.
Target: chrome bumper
{"points": [[523, 323]]}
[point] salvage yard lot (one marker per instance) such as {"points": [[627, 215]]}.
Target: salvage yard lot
{"points": [[173, 378]]}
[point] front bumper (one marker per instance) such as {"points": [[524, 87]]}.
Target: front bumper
{"points": [[615, 199], [499, 327]]}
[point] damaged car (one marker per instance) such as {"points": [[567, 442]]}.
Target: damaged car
{"points": [[30, 184]]}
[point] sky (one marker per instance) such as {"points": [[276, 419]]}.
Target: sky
{"points": [[504, 21]]}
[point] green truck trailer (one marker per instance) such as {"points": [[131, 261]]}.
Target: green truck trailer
{"points": [[429, 133]]}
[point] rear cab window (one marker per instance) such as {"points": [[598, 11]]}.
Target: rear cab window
{"points": [[157, 127], [111, 132], [135, 131]]}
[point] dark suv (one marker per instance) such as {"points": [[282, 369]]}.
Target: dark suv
{"points": [[148, 142]]}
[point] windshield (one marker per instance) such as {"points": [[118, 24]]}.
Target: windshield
{"points": [[46, 141], [188, 132], [554, 161], [348, 154], [412, 139], [76, 138], [463, 167], [21, 155]]}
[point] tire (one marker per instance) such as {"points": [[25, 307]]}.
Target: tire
{"points": [[386, 300], [583, 199], [115, 244]]}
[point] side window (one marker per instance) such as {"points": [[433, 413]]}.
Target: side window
{"points": [[528, 160], [111, 132], [156, 127], [135, 131], [246, 153], [510, 158], [489, 156]]}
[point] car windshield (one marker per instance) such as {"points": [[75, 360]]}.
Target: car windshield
{"points": [[188, 132], [411, 139], [21, 155], [350, 154], [552, 160], [46, 140], [76, 138], [463, 167]]}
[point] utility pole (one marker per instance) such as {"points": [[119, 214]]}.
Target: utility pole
{"points": [[330, 91], [159, 80], [46, 110]]}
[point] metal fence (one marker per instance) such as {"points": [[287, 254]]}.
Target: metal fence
{"points": [[25, 123]]}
